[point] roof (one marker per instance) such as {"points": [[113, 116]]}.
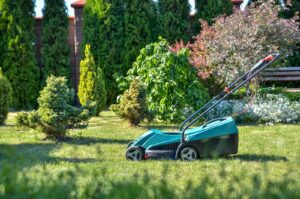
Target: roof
{"points": [[237, 1], [41, 18], [78, 4]]}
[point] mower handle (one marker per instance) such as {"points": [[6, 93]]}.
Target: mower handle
{"points": [[259, 66]]}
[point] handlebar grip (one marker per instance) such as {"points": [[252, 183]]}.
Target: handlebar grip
{"points": [[269, 58]]}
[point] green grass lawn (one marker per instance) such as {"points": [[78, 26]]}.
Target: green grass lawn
{"points": [[268, 162]]}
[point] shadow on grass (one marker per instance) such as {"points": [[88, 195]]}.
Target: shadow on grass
{"points": [[93, 140], [27, 155], [257, 158]]}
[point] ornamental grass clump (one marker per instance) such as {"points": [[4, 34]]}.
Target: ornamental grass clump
{"points": [[55, 114], [5, 97]]}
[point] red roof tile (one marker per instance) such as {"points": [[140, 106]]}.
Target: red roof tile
{"points": [[78, 4], [237, 1]]}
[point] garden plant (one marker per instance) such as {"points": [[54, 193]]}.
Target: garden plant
{"points": [[173, 89], [55, 114], [91, 88]]}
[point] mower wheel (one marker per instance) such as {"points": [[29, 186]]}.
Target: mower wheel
{"points": [[188, 153], [134, 153]]}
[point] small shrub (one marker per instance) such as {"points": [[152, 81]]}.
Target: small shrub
{"points": [[173, 89], [55, 114], [5, 97], [133, 104], [91, 85]]}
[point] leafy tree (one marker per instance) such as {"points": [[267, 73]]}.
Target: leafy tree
{"points": [[5, 97], [17, 57], [133, 104], [55, 114], [91, 85], [174, 19], [104, 31], [173, 89], [55, 48], [208, 10], [140, 29]]}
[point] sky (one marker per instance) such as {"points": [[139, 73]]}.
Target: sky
{"points": [[40, 4]]}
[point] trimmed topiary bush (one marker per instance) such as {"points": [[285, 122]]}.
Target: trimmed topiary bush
{"points": [[55, 114], [5, 97], [173, 89], [133, 105], [92, 84]]}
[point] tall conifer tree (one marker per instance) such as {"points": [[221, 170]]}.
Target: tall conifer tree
{"points": [[55, 48], [174, 19], [104, 31], [140, 29], [17, 51], [208, 10]]}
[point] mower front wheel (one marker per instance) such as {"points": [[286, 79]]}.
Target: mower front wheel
{"points": [[134, 153], [188, 153]]}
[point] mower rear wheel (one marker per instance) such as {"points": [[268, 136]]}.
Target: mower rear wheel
{"points": [[134, 153], [188, 153]]}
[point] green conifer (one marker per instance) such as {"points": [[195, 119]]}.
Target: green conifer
{"points": [[174, 19], [208, 10], [104, 31], [140, 29], [55, 48], [5, 97], [17, 57], [91, 85]]}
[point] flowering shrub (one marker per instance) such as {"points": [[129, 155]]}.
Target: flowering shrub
{"points": [[266, 109], [236, 42]]}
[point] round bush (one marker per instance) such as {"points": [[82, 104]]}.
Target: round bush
{"points": [[133, 105], [55, 114]]}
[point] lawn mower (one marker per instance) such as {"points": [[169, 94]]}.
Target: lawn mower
{"points": [[218, 137]]}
